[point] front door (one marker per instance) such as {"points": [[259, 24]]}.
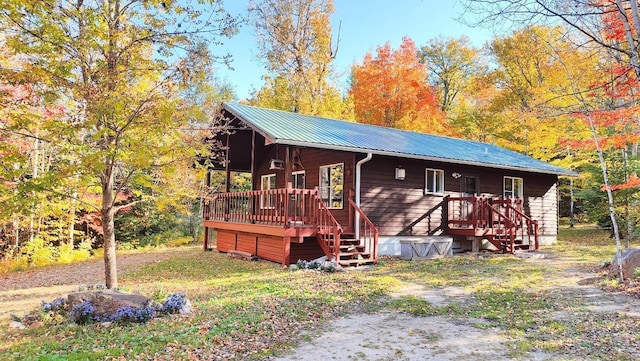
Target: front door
{"points": [[468, 189], [295, 203]]}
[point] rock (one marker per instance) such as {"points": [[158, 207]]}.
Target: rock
{"points": [[106, 302], [186, 308], [16, 324], [630, 261]]}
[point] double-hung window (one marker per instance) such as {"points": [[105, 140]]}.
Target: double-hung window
{"points": [[513, 187], [434, 181], [332, 185], [267, 182]]}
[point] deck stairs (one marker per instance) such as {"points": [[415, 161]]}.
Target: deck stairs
{"points": [[502, 222], [350, 251], [501, 239]]}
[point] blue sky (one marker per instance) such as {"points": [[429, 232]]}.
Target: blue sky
{"points": [[366, 24]]}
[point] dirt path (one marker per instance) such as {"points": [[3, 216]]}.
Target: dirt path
{"points": [[386, 335], [396, 336], [20, 291]]}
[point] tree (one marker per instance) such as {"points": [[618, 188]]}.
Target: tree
{"points": [[391, 90], [611, 27], [452, 64], [295, 39], [121, 65], [535, 98]]}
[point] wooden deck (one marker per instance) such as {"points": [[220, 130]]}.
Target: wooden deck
{"points": [[501, 221], [288, 219]]}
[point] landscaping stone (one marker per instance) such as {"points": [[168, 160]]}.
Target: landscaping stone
{"points": [[16, 324], [106, 302], [630, 261]]}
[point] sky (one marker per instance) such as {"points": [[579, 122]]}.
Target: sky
{"points": [[365, 25]]}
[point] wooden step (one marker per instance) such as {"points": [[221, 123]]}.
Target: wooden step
{"points": [[350, 255], [355, 262]]}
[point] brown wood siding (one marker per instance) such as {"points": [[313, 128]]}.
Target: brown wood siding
{"points": [[311, 160], [307, 250], [271, 248], [225, 240], [246, 242], [393, 204]]}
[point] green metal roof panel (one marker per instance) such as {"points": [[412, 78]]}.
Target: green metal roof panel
{"points": [[297, 129]]}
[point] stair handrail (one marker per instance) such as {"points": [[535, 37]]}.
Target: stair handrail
{"points": [[509, 224], [530, 223], [512, 217], [369, 233], [328, 226], [408, 230]]}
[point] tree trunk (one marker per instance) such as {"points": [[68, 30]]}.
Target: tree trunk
{"points": [[110, 269]]}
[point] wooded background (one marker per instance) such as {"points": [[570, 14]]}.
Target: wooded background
{"points": [[104, 105]]}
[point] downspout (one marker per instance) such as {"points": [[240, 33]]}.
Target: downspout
{"points": [[357, 200]]}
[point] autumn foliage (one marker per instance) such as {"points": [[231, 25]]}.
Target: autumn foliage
{"points": [[390, 90]]}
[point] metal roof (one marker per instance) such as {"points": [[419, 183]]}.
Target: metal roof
{"points": [[288, 128]]}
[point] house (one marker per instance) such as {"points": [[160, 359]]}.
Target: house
{"points": [[352, 191]]}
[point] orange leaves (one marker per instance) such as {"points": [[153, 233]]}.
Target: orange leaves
{"points": [[632, 182], [390, 90]]}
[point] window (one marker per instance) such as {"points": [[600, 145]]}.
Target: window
{"points": [[434, 182], [332, 184], [513, 187], [267, 182], [297, 180]]}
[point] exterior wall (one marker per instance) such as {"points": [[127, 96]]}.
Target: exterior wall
{"points": [[393, 204], [267, 247], [310, 161]]}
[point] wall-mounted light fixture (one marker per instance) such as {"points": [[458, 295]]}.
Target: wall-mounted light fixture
{"points": [[400, 173], [456, 175]]}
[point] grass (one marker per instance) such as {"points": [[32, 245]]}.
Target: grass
{"points": [[252, 310]]}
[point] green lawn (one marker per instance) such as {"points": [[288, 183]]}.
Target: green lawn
{"points": [[256, 309]]}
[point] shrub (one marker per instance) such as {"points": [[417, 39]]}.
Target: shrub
{"points": [[83, 313], [174, 302], [57, 305], [130, 314]]}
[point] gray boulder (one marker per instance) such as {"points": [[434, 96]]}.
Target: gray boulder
{"points": [[630, 261]]}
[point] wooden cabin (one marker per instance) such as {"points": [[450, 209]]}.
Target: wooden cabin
{"points": [[352, 191]]}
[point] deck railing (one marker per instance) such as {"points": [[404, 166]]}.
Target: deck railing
{"points": [[500, 216], [433, 225], [279, 207], [368, 232]]}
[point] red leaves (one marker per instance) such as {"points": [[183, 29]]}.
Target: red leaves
{"points": [[632, 182]]}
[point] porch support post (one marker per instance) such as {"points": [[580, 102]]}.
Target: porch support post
{"points": [[205, 244], [227, 167], [253, 159], [206, 239]]}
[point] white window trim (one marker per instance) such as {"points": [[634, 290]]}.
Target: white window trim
{"points": [[520, 191], [436, 173], [262, 197], [305, 178], [329, 206]]}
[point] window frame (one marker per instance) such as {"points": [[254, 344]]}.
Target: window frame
{"points": [[267, 203], [513, 182], [293, 177], [438, 179], [328, 201]]}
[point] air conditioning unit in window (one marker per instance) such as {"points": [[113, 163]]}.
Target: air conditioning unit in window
{"points": [[276, 164]]}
